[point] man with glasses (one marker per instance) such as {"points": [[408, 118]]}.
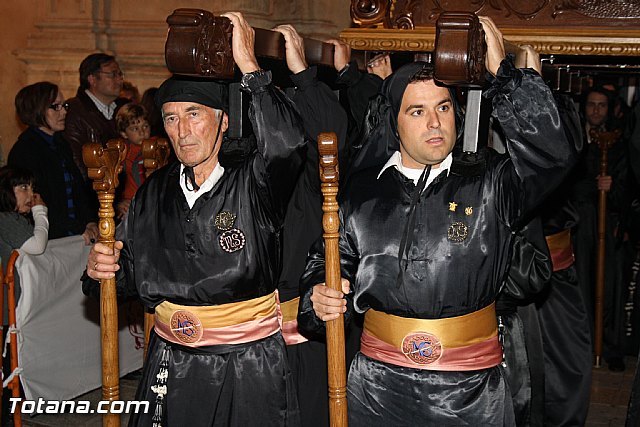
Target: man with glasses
{"points": [[91, 113]]}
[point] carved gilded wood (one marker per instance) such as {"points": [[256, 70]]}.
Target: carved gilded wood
{"points": [[559, 27]]}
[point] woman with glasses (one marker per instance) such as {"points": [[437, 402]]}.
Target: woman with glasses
{"points": [[42, 150]]}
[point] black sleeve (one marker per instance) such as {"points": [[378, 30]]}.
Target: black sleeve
{"points": [[540, 154], [315, 273], [280, 142], [530, 268], [359, 88], [320, 111], [125, 280]]}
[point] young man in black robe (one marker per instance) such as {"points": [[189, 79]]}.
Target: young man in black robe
{"points": [[425, 244], [202, 246]]}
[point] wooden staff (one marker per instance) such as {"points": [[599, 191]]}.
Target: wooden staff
{"points": [[103, 166], [155, 154], [604, 140], [14, 384], [328, 162]]}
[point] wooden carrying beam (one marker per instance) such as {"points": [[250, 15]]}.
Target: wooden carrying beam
{"points": [[199, 44], [460, 50], [103, 166]]}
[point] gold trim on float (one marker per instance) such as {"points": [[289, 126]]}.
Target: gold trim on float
{"points": [[585, 41]]}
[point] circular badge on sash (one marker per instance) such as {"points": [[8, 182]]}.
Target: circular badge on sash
{"points": [[186, 326], [232, 240], [422, 348]]}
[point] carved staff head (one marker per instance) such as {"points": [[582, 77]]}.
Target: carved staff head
{"points": [[104, 163]]}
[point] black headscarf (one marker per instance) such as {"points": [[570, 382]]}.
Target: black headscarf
{"points": [[380, 138], [210, 93]]}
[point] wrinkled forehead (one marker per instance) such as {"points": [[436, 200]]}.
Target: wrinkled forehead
{"points": [[182, 107]]}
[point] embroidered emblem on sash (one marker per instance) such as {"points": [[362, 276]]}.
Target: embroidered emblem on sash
{"points": [[468, 210], [224, 220], [452, 206], [457, 232], [232, 240], [186, 326], [422, 348]]}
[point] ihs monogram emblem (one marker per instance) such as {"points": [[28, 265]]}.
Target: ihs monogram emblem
{"points": [[232, 239]]}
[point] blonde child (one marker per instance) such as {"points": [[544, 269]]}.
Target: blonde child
{"points": [[133, 125]]}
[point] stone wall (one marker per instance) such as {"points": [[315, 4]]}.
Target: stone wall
{"points": [[47, 39]]}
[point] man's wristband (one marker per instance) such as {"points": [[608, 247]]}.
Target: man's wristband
{"points": [[255, 79]]}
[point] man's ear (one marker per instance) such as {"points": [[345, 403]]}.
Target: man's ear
{"points": [[225, 122], [92, 80]]}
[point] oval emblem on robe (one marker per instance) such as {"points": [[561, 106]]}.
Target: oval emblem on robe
{"points": [[422, 348], [457, 232], [232, 240], [186, 326]]}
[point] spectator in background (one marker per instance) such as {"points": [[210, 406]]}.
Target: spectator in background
{"points": [[130, 91], [42, 150], [133, 126], [23, 226], [23, 215], [91, 115], [598, 107]]}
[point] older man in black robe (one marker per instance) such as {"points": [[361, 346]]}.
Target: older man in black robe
{"points": [[202, 246]]}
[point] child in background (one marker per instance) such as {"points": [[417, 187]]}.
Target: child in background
{"points": [[23, 215], [24, 225], [133, 126]]}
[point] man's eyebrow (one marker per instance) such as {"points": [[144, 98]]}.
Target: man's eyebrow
{"points": [[193, 108], [443, 101]]}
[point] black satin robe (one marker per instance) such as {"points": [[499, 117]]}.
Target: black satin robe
{"points": [[173, 253], [443, 278], [562, 310], [547, 343], [529, 272]]}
